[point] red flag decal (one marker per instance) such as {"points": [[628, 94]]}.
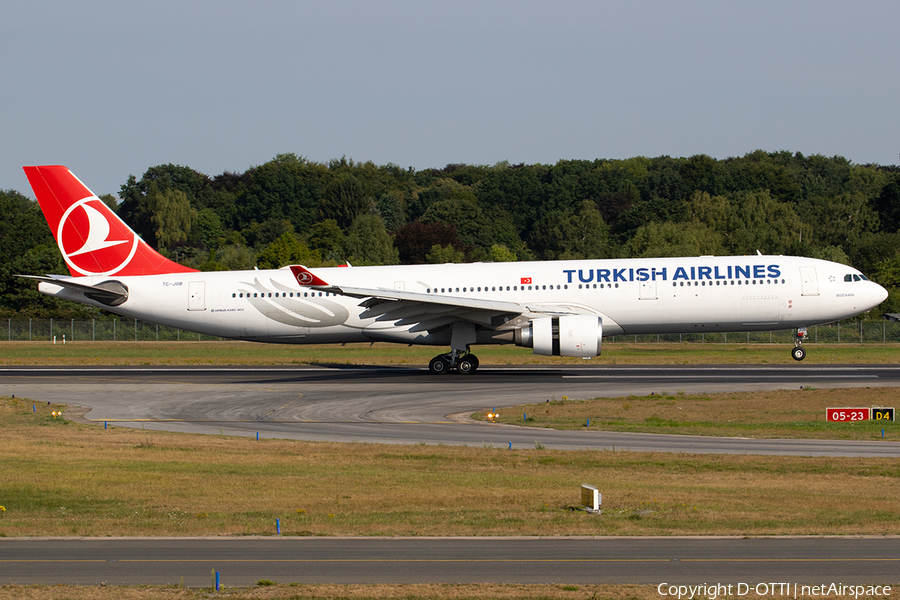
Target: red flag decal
{"points": [[526, 280]]}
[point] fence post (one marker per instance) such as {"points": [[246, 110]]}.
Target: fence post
{"points": [[73, 330], [860, 332], [51, 329], [114, 328], [135, 330], [883, 332], [29, 329], [93, 329], [839, 332]]}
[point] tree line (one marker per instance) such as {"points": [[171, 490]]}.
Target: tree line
{"points": [[292, 210]]}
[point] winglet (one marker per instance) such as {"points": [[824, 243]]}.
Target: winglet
{"points": [[305, 277]]}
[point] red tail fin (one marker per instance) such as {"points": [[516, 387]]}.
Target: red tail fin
{"points": [[92, 238]]}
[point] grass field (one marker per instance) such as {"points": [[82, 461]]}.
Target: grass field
{"points": [[66, 478], [796, 413], [247, 353]]}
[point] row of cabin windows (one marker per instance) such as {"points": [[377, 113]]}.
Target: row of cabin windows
{"points": [[280, 295], [727, 282], [514, 288]]}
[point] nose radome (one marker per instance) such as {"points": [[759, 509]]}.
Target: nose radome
{"points": [[879, 294]]}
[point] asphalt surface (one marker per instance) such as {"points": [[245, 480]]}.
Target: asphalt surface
{"points": [[411, 406], [244, 561]]}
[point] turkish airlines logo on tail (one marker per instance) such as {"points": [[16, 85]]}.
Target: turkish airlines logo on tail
{"points": [[93, 241], [304, 278]]}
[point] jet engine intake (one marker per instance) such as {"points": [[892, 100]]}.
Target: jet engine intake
{"points": [[578, 336]]}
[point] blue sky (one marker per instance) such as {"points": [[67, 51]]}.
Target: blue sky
{"points": [[110, 88]]}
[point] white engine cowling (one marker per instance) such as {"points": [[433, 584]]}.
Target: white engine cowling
{"points": [[579, 336]]}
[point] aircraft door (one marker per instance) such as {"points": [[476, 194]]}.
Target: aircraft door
{"points": [[648, 290], [197, 295], [809, 281]]}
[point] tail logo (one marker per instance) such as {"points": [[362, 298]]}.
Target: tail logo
{"points": [[304, 278], [93, 241]]}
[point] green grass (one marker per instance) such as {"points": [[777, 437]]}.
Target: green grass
{"points": [[80, 479], [771, 414]]}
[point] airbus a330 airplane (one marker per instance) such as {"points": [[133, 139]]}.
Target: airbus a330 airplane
{"points": [[558, 308]]}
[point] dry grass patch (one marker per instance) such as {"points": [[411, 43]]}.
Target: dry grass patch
{"points": [[62, 478], [772, 414]]}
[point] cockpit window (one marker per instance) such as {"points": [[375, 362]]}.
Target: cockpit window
{"points": [[848, 277], [856, 277], [863, 277]]}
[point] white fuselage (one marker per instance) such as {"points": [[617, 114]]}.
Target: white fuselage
{"points": [[631, 296]]}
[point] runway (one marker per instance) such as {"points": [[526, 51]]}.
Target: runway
{"points": [[411, 406], [244, 561]]}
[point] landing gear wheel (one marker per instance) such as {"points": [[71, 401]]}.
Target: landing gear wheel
{"points": [[798, 353], [467, 365], [439, 365]]}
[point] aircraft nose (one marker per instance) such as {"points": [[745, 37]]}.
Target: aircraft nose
{"points": [[879, 294]]}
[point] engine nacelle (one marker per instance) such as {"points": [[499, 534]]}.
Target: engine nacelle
{"points": [[579, 336]]}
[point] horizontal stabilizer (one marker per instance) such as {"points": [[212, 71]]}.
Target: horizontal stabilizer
{"points": [[110, 293]]}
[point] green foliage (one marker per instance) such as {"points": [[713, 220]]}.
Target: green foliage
{"points": [[447, 254], [775, 202], [674, 239], [171, 216], [287, 250], [569, 234], [327, 238], [390, 207], [344, 200], [368, 242], [500, 253], [209, 229]]}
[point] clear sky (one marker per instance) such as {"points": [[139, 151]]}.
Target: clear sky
{"points": [[110, 88]]}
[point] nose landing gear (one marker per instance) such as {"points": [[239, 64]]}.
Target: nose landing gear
{"points": [[462, 362], [798, 352]]}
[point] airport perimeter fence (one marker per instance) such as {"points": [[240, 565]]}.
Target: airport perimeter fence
{"points": [[100, 330], [131, 330]]}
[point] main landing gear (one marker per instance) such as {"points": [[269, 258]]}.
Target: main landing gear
{"points": [[463, 362], [798, 352]]}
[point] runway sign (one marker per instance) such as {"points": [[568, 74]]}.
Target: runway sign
{"points": [[883, 414], [847, 414]]}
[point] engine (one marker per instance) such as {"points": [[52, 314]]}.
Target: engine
{"points": [[570, 335]]}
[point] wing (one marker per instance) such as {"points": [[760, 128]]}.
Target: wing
{"points": [[431, 311]]}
